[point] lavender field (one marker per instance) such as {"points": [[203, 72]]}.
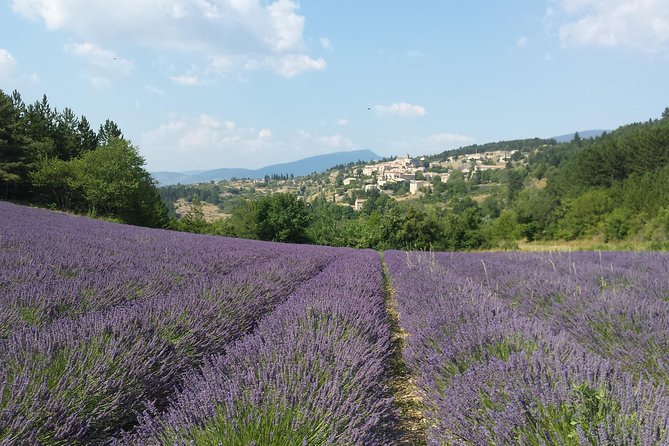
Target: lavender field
{"points": [[537, 349], [120, 335]]}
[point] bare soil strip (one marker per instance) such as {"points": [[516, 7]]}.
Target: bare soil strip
{"points": [[409, 424]]}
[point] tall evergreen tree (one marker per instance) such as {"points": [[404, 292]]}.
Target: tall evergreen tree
{"points": [[86, 137], [14, 158], [65, 135], [39, 121], [109, 131]]}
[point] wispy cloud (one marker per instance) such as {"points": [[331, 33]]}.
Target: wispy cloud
{"points": [[522, 42], [434, 143], [194, 142], [325, 43], [446, 139], [336, 141], [154, 90], [11, 74], [401, 109], [293, 64], [635, 24], [8, 65], [101, 59], [415, 54], [204, 139], [268, 34], [187, 79]]}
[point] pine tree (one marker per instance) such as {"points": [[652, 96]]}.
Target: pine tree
{"points": [[109, 131]]}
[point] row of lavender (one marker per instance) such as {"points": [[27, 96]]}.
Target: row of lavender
{"points": [[498, 344], [311, 374], [54, 266], [99, 321], [615, 304]]}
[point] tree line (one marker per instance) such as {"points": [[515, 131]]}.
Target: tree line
{"points": [[55, 159]]}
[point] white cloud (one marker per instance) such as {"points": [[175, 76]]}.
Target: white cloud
{"points": [[187, 79], [98, 81], [100, 59], [325, 43], [188, 143], [11, 76], [336, 141], [185, 143], [8, 65], [221, 36], [522, 42], [431, 144], [634, 24], [447, 139], [294, 64], [342, 121], [154, 90], [286, 24], [415, 54], [288, 66], [401, 109]]}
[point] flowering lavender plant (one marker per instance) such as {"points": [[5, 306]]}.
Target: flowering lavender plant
{"points": [[312, 372], [499, 357]]}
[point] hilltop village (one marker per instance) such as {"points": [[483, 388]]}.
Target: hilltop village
{"points": [[403, 178]]}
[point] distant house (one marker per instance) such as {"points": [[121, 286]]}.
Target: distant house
{"points": [[415, 186], [484, 167], [392, 175], [348, 181], [359, 202], [369, 187]]}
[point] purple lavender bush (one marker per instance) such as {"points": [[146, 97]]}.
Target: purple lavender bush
{"points": [[492, 371], [81, 366], [613, 303], [311, 373]]}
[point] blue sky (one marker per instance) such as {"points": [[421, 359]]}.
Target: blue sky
{"points": [[201, 84]]}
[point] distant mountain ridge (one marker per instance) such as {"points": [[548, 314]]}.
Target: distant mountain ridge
{"points": [[585, 134], [301, 167]]}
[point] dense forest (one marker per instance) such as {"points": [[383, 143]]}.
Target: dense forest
{"points": [[611, 188], [54, 158]]}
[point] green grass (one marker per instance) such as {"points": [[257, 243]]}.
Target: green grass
{"points": [[270, 425], [502, 349], [559, 424], [551, 424], [31, 315]]}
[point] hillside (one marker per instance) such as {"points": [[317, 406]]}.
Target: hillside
{"points": [[605, 191], [301, 167], [120, 335]]}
